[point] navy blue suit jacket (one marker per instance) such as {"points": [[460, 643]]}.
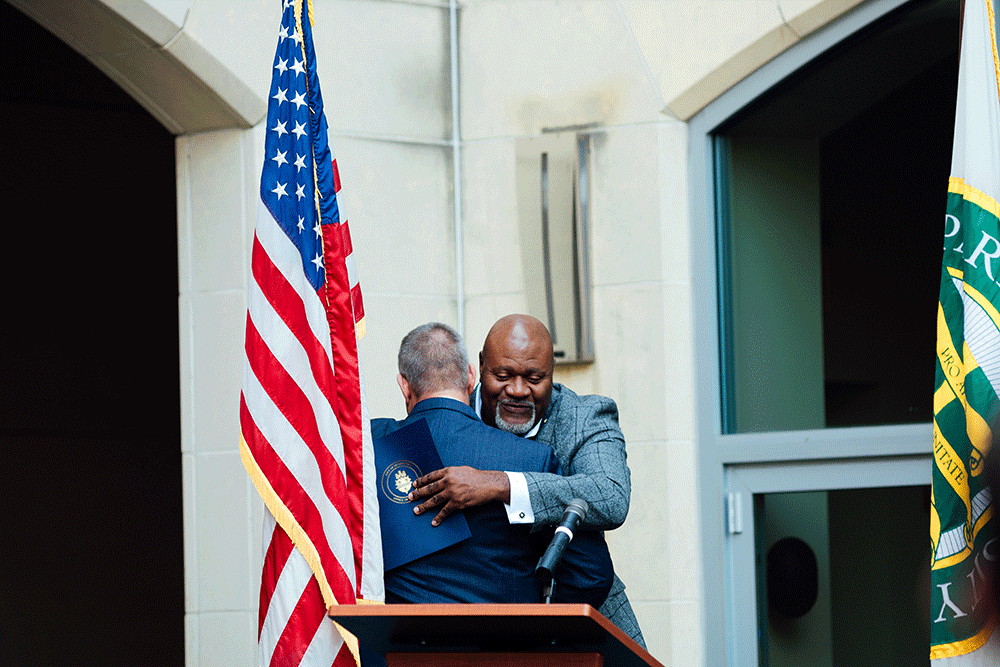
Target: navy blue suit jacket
{"points": [[497, 563]]}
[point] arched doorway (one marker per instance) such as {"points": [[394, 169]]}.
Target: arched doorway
{"points": [[90, 418]]}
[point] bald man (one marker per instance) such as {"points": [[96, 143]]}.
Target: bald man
{"points": [[517, 394]]}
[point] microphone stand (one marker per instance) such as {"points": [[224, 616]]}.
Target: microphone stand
{"points": [[545, 571], [547, 588]]}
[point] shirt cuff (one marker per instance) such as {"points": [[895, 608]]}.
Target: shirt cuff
{"points": [[519, 509]]}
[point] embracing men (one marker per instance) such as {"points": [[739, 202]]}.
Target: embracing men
{"points": [[517, 394], [497, 562]]}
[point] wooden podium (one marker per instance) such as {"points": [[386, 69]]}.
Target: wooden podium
{"points": [[512, 635]]}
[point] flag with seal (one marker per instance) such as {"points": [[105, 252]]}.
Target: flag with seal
{"points": [[963, 531]]}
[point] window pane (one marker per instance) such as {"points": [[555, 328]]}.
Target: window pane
{"points": [[833, 189]]}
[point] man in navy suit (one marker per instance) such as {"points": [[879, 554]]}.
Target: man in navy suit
{"points": [[496, 564]]}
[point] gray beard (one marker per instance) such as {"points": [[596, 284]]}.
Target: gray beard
{"points": [[516, 429]]}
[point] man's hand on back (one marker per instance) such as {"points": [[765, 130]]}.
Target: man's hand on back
{"points": [[458, 487]]}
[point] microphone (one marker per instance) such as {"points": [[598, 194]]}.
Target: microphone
{"points": [[575, 512]]}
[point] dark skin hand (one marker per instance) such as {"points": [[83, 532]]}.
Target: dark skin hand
{"points": [[458, 487]]}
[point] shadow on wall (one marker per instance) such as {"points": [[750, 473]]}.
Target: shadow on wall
{"points": [[89, 416]]}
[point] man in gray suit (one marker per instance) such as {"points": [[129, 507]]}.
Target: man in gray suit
{"points": [[516, 394]]}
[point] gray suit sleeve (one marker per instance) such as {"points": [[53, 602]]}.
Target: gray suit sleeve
{"points": [[591, 448]]}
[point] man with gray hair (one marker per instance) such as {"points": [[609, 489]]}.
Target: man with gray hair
{"points": [[496, 564], [432, 358]]}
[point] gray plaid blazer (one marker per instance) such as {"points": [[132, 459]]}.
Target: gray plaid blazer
{"points": [[583, 431]]}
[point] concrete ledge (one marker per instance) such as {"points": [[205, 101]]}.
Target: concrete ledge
{"points": [[154, 60], [745, 62]]}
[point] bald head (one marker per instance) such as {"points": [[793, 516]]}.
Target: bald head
{"points": [[515, 368], [519, 332]]}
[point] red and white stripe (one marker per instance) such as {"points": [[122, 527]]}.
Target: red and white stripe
{"points": [[293, 626]]}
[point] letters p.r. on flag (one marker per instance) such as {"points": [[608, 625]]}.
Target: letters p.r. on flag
{"points": [[963, 530]]}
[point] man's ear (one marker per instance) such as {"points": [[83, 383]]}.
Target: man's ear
{"points": [[472, 379], [404, 387]]}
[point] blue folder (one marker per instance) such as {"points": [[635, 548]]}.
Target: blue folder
{"points": [[401, 457]]}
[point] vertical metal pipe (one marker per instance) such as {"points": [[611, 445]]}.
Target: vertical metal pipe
{"points": [[456, 151]]}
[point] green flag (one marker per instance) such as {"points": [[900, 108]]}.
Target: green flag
{"points": [[963, 531]]}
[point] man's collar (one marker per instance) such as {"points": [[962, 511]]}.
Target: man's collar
{"points": [[478, 407], [441, 402]]}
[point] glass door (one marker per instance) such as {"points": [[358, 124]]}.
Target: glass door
{"points": [[828, 562]]}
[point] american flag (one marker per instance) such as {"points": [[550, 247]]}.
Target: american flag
{"points": [[305, 436]]}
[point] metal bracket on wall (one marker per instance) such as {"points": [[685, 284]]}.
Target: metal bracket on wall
{"points": [[553, 208]]}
